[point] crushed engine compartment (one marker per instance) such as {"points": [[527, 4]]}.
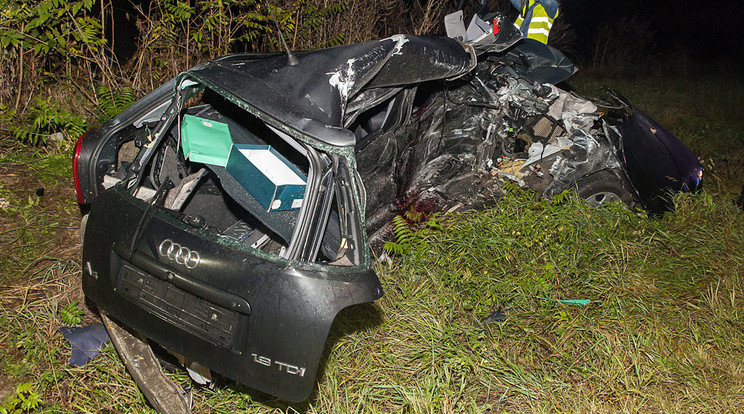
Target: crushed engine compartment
{"points": [[467, 138]]}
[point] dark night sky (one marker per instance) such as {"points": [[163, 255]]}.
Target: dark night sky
{"points": [[710, 28]]}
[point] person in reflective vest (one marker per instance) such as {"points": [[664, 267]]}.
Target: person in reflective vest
{"points": [[536, 17]]}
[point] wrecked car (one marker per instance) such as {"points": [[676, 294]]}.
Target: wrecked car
{"points": [[229, 209]]}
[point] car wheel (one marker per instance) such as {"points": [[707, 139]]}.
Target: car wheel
{"points": [[604, 188]]}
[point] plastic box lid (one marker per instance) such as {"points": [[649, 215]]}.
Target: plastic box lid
{"points": [[205, 141]]}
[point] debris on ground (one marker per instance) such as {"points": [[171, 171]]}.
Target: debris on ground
{"points": [[86, 342]]}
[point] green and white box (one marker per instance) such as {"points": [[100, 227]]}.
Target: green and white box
{"points": [[270, 178]]}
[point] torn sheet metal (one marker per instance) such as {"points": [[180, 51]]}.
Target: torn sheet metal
{"points": [[535, 62], [316, 92], [477, 133]]}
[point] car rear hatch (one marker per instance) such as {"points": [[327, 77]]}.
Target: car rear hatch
{"points": [[260, 321], [186, 252]]}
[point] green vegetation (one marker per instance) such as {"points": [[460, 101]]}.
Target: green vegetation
{"points": [[660, 332], [409, 240], [71, 315], [26, 399], [60, 70], [529, 306]]}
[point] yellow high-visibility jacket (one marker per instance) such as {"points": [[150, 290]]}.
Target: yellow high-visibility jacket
{"points": [[535, 21]]}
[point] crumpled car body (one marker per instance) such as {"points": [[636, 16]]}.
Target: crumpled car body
{"points": [[464, 138], [206, 257]]}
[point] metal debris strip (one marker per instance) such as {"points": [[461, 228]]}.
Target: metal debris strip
{"points": [[164, 395]]}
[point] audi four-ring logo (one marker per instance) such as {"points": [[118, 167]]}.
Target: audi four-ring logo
{"points": [[180, 254]]}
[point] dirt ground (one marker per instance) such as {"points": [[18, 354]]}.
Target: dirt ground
{"points": [[62, 238], [39, 253]]}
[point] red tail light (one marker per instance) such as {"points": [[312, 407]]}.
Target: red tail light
{"points": [[75, 174]]}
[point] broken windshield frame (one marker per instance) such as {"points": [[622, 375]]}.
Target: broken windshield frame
{"points": [[329, 179]]}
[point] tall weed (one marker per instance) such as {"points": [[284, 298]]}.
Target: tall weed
{"points": [[45, 121]]}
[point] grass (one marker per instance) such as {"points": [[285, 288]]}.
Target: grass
{"points": [[662, 332], [650, 335], [39, 210]]}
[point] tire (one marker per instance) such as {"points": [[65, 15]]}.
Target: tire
{"points": [[605, 187]]}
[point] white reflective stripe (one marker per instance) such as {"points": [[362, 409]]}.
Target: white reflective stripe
{"points": [[532, 31], [542, 20]]}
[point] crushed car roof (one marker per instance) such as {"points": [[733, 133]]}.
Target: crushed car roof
{"points": [[316, 95]]}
